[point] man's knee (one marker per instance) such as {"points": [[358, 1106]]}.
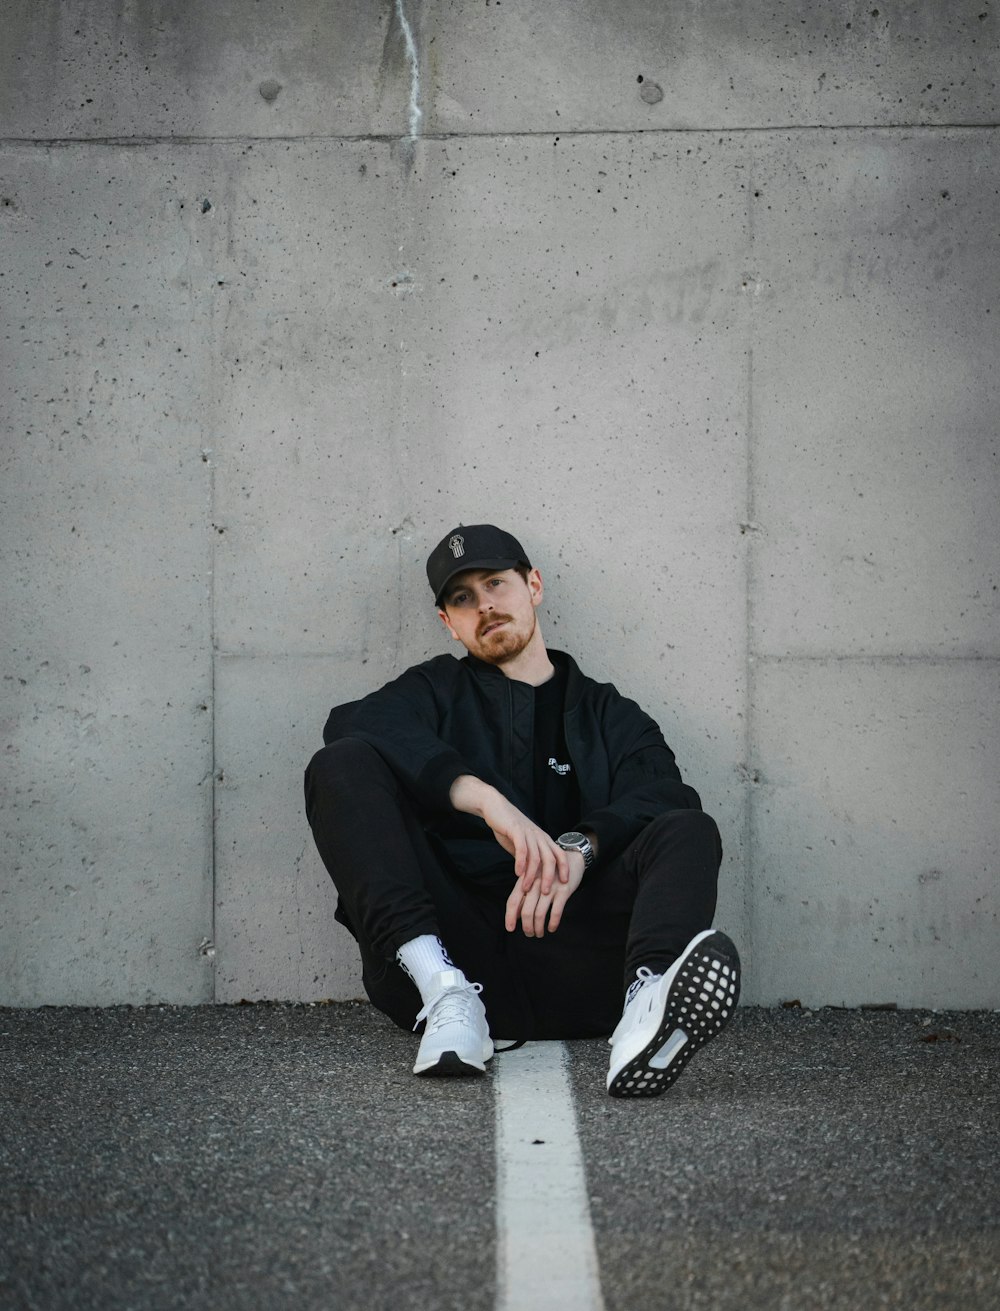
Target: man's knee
{"points": [[341, 766], [345, 756], [689, 826]]}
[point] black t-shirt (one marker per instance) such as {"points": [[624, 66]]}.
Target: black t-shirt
{"points": [[557, 794]]}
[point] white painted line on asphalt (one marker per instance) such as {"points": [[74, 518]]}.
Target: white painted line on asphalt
{"points": [[546, 1258]]}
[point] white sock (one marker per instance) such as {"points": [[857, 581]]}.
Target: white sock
{"points": [[423, 958]]}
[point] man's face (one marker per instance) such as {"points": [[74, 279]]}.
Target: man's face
{"points": [[492, 612]]}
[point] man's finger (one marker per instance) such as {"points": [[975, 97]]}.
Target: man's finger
{"points": [[528, 913], [549, 869], [541, 911], [530, 871], [514, 902], [562, 865], [520, 854], [558, 902]]}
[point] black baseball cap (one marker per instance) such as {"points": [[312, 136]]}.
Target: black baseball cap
{"points": [[479, 546]]}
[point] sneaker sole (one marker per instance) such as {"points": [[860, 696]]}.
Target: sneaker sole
{"points": [[450, 1064], [699, 1005]]}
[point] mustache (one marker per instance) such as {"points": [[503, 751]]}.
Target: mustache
{"points": [[493, 619]]}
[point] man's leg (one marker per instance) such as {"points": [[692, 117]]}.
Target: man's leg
{"points": [[647, 913], [682, 977], [673, 865], [640, 909], [400, 904]]}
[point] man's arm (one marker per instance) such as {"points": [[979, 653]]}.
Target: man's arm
{"points": [[536, 855], [533, 906], [402, 722], [644, 779]]}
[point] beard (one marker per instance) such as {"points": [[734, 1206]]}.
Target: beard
{"points": [[506, 643]]}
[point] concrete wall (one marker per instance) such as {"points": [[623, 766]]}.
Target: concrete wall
{"points": [[700, 300]]}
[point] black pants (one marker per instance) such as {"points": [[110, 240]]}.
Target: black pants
{"points": [[640, 909]]}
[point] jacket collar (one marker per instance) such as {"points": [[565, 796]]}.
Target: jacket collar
{"points": [[489, 674]]}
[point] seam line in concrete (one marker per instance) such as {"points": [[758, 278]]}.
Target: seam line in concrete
{"points": [[930, 659], [877, 660], [749, 854], [546, 1255], [393, 138], [749, 817], [213, 657], [756, 657]]}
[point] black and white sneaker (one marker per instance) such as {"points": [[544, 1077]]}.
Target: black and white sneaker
{"points": [[668, 1017]]}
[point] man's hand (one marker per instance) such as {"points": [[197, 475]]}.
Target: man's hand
{"points": [[536, 855], [532, 904]]}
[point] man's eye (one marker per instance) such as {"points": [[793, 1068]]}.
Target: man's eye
{"points": [[460, 598]]}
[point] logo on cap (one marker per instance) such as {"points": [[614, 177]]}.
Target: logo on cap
{"points": [[456, 545]]}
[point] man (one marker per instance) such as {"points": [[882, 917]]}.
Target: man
{"points": [[505, 819]]}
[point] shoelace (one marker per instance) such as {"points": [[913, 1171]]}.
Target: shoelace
{"points": [[643, 975], [447, 1007]]}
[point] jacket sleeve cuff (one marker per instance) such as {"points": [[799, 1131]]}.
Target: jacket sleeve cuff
{"points": [[435, 779], [612, 834]]}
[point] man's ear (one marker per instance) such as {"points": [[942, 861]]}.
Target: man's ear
{"points": [[442, 615], [535, 587]]}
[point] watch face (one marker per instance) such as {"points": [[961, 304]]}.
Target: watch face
{"points": [[573, 839]]}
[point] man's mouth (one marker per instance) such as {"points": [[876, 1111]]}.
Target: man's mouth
{"points": [[493, 625]]}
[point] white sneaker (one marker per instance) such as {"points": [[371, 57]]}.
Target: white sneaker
{"points": [[456, 1037], [668, 1017]]}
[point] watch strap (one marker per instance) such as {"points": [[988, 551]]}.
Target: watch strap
{"points": [[585, 847]]}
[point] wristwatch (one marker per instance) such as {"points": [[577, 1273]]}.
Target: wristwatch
{"points": [[578, 842]]}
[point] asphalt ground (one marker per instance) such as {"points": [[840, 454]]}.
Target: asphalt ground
{"points": [[281, 1156]]}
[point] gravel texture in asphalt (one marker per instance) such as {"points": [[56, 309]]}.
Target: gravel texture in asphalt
{"points": [[805, 1160], [283, 1156]]}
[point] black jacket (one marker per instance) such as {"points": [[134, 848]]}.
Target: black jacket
{"points": [[448, 717]]}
